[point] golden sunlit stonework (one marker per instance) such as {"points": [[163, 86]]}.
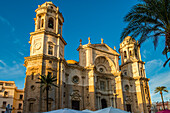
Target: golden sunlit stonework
{"points": [[95, 82]]}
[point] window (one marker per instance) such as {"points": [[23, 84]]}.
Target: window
{"points": [[19, 106], [102, 85], [39, 22], [125, 73], [125, 55], [59, 27], [127, 87], [166, 107], [75, 79], [160, 108], [101, 69], [5, 94], [8, 84], [32, 87], [4, 104], [32, 76], [50, 49], [131, 53], [31, 106], [50, 73], [50, 61], [51, 23], [42, 23], [21, 96], [141, 72]]}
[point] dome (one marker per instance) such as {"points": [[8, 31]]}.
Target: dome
{"points": [[72, 62]]}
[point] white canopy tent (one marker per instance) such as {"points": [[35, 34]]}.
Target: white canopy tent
{"points": [[89, 111], [110, 110], [66, 110], [105, 110]]}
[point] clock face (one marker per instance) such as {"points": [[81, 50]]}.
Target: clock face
{"points": [[37, 45]]}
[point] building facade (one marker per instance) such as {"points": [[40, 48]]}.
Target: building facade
{"points": [[95, 82], [9, 94], [159, 105]]}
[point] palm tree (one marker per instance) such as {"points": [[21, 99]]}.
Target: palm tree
{"points": [[160, 89], [47, 82], [149, 19]]}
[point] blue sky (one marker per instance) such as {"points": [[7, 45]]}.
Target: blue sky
{"points": [[83, 18]]}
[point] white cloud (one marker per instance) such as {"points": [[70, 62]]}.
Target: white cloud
{"points": [[7, 22], [145, 53], [21, 53], [11, 72], [3, 63], [159, 76], [154, 66], [161, 79]]}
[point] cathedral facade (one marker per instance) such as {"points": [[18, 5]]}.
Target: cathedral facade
{"points": [[97, 81]]}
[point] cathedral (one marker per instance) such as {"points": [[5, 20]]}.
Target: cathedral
{"points": [[94, 82]]}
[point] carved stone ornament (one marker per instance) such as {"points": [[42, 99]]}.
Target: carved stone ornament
{"points": [[75, 96]]}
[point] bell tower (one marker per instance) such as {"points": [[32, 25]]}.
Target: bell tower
{"points": [[46, 56], [47, 38], [134, 81]]}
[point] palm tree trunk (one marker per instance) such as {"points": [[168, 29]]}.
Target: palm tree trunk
{"points": [[162, 100], [47, 98], [168, 40]]}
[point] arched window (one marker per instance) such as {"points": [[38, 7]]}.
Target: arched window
{"points": [[125, 72], [125, 55], [50, 49], [130, 53], [42, 23], [102, 85], [127, 87], [32, 76], [39, 23], [5, 94], [51, 23]]}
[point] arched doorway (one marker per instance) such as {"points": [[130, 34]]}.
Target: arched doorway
{"points": [[104, 103], [75, 105], [75, 100]]}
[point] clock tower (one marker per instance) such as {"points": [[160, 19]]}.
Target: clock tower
{"points": [[46, 56]]}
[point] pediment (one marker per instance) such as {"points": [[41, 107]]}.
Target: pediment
{"points": [[105, 47]]}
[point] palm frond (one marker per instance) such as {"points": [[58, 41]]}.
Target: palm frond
{"points": [[148, 19]]}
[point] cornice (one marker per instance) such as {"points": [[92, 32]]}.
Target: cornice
{"points": [[49, 33], [75, 66], [131, 61], [141, 78]]}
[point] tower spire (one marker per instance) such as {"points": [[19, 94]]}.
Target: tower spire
{"points": [[80, 42], [89, 40], [102, 40]]}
